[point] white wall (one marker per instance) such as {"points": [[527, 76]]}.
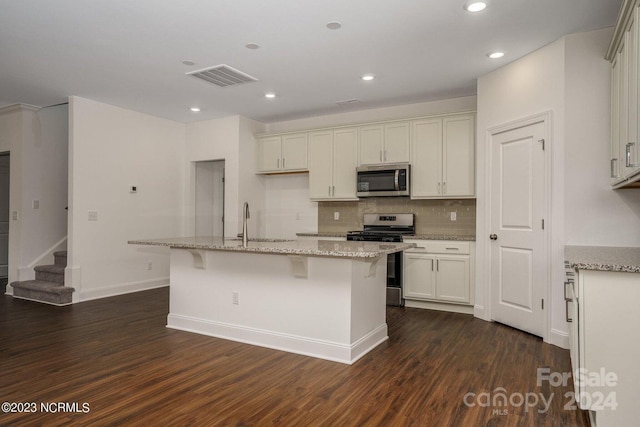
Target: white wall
{"points": [[289, 209], [229, 139], [111, 149], [571, 79], [252, 187], [594, 213], [45, 152], [531, 85], [453, 105]]}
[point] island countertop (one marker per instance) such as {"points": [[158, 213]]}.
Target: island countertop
{"points": [[311, 247], [604, 258]]}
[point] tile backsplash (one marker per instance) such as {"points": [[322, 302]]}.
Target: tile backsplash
{"points": [[432, 216]]}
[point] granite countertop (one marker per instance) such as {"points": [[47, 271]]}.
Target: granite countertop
{"points": [[603, 258], [310, 247], [411, 236]]}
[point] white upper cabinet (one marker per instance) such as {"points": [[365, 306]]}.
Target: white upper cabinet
{"points": [[458, 156], [443, 157], [396, 142], [332, 164], [270, 150], [624, 53], [283, 153], [426, 164], [441, 151], [384, 143]]}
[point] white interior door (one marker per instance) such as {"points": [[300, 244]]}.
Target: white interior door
{"points": [[209, 198], [519, 258]]}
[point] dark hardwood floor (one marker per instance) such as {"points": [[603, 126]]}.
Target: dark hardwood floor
{"points": [[117, 356]]}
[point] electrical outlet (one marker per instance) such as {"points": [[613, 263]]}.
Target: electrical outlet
{"points": [[14, 215], [235, 298], [35, 204], [93, 215], [150, 266], [336, 216], [454, 216]]}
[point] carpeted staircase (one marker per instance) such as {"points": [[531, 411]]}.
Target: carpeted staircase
{"points": [[48, 287]]}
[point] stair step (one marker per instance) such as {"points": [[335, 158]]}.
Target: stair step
{"points": [[43, 291], [50, 273], [60, 258]]}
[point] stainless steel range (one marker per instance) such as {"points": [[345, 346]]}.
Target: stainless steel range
{"points": [[388, 228]]}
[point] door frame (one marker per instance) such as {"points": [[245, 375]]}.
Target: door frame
{"points": [[550, 220]]}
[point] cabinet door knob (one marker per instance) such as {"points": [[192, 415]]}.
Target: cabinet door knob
{"points": [[493, 236]]}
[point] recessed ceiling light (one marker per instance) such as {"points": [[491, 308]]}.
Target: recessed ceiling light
{"points": [[495, 55], [368, 77], [195, 109], [475, 6], [187, 62], [270, 95], [334, 25], [252, 46]]}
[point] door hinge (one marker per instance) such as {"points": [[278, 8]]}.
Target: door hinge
{"points": [[542, 142], [543, 224], [542, 303]]}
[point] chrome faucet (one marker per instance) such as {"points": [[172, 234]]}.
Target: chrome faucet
{"points": [[245, 216]]}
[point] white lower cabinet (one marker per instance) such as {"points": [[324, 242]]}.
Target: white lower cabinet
{"points": [[438, 271], [604, 346]]}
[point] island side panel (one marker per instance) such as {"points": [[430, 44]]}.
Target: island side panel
{"points": [[310, 315]]}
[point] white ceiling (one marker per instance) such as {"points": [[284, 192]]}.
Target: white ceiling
{"points": [[129, 53]]}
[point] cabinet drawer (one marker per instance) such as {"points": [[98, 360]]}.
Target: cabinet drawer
{"points": [[440, 247]]}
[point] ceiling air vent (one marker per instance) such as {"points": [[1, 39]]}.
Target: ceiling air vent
{"points": [[223, 76]]}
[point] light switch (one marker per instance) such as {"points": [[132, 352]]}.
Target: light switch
{"points": [[14, 215], [93, 215], [454, 216], [35, 204]]}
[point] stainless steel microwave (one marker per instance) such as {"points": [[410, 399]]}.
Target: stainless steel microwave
{"points": [[383, 180]]}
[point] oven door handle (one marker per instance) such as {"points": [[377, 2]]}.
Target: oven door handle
{"points": [[397, 179]]}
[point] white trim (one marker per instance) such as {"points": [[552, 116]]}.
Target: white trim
{"points": [[481, 312], [546, 118], [42, 302], [121, 289], [18, 107], [60, 245], [559, 338], [327, 350], [27, 273], [432, 305]]}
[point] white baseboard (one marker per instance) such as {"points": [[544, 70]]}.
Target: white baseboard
{"points": [[480, 312], [327, 350], [559, 338], [452, 308], [125, 288]]}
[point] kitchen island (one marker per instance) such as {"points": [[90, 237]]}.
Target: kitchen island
{"points": [[315, 297]]}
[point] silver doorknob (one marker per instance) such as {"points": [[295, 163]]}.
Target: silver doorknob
{"points": [[493, 236]]}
